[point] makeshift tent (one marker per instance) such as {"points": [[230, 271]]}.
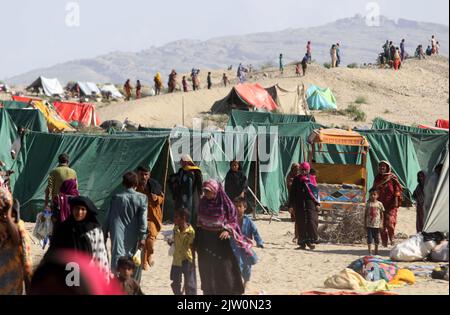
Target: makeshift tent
{"points": [[25, 99], [320, 98], [50, 87], [87, 89], [245, 97], [112, 90], [54, 122], [83, 113], [436, 219], [293, 101], [244, 118], [4, 88], [100, 162], [31, 119], [442, 123]]}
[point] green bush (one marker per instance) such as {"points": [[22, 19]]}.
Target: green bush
{"points": [[355, 112], [353, 65], [361, 100], [327, 65]]}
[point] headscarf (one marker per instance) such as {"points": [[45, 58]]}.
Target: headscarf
{"points": [[68, 189], [235, 182], [72, 234], [382, 179], [309, 181], [220, 213], [190, 163]]}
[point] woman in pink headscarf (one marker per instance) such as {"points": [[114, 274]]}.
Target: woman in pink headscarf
{"points": [[217, 225], [304, 201]]}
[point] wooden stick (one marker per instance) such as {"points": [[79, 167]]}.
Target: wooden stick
{"points": [[166, 172]]}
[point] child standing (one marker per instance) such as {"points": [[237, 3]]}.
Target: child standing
{"points": [[126, 267], [183, 256], [373, 219], [249, 230]]}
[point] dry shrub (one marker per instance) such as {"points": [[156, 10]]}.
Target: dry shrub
{"points": [[344, 226]]}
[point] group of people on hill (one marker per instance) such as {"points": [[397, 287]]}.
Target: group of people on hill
{"points": [[127, 88], [432, 49], [210, 227]]}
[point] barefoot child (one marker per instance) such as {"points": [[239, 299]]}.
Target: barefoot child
{"points": [[183, 257], [249, 230], [373, 219], [126, 267]]}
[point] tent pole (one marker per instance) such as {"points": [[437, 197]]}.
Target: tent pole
{"points": [[166, 172]]}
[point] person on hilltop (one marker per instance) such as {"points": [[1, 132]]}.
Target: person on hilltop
{"points": [[209, 81], [309, 51], [304, 64], [433, 45], [185, 84], [158, 83], [138, 89], [402, 50], [397, 59], [281, 63], [127, 88], [338, 55], [225, 80], [333, 55], [172, 81]]}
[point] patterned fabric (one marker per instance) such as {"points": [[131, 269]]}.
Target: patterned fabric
{"points": [[374, 268], [374, 211], [220, 213], [99, 254]]}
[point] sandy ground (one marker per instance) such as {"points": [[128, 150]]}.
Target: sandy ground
{"points": [[282, 270], [417, 94]]}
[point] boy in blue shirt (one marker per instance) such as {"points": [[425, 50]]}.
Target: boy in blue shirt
{"points": [[250, 231]]}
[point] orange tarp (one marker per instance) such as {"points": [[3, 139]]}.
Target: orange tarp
{"points": [[83, 113], [257, 96], [339, 137]]}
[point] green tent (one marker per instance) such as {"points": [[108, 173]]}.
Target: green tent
{"points": [[100, 162], [320, 98], [31, 119], [380, 124], [245, 118], [8, 133], [14, 104]]}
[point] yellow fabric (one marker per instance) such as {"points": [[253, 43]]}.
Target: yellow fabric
{"points": [[403, 276], [183, 242], [340, 137], [340, 173], [54, 122], [191, 168], [348, 279]]}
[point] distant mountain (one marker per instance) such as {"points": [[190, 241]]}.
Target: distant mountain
{"points": [[359, 43]]}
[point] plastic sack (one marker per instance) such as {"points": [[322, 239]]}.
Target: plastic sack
{"points": [[137, 258], [44, 225], [440, 252], [413, 249]]}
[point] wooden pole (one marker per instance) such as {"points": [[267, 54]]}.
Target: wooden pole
{"points": [[166, 172]]}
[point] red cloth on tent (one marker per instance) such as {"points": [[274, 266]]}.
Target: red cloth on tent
{"points": [[442, 123], [25, 99], [83, 113], [257, 96]]}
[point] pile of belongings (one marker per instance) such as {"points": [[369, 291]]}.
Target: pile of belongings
{"points": [[440, 273], [371, 273], [421, 246], [341, 193]]}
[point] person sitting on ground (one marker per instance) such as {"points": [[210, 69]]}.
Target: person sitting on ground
{"points": [[183, 263], [373, 220], [250, 231], [429, 51], [126, 268]]}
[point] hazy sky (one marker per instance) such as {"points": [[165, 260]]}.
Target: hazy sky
{"points": [[35, 33]]}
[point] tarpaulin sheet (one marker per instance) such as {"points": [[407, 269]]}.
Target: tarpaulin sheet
{"points": [[89, 88], [50, 87], [379, 123], [320, 98], [100, 162], [442, 123], [14, 104], [245, 118], [83, 113], [113, 90], [25, 99], [8, 134], [54, 122], [257, 96], [31, 119]]}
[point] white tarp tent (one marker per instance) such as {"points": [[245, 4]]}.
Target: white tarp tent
{"points": [[49, 87], [113, 90], [89, 88], [437, 217]]}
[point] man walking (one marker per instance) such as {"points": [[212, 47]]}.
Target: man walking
{"points": [[127, 222]]}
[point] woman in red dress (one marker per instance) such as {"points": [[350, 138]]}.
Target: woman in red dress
{"points": [[390, 195]]}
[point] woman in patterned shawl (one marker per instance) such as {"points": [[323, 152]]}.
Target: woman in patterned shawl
{"points": [[217, 224], [390, 195]]}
